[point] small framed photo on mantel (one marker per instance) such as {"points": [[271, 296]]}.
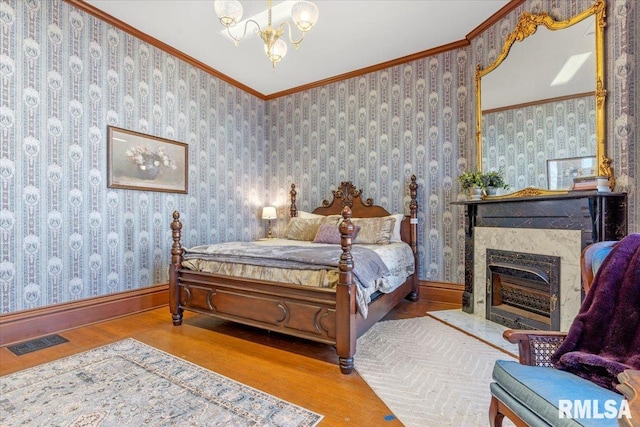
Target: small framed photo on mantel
{"points": [[562, 172], [137, 161]]}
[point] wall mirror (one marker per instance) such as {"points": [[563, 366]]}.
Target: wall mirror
{"points": [[529, 112]]}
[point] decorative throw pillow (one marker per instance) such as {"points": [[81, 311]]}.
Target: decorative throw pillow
{"points": [[329, 233], [306, 228], [375, 231]]}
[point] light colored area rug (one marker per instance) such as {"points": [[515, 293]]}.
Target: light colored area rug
{"points": [[129, 383], [428, 373]]}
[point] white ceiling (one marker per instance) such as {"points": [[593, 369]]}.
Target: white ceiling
{"points": [[350, 35]]}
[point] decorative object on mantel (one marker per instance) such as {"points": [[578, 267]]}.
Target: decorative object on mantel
{"points": [[303, 13], [269, 213], [473, 184], [493, 181], [603, 184], [587, 183], [477, 184]]}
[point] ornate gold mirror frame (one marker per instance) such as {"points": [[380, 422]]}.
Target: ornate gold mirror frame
{"points": [[527, 26]]}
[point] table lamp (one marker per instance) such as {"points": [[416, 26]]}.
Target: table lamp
{"points": [[269, 213]]}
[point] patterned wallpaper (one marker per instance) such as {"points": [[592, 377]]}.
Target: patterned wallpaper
{"points": [[64, 235], [520, 140], [66, 76], [376, 131]]}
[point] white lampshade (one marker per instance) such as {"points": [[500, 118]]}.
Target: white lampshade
{"points": [[304, 15], [269, 212]]}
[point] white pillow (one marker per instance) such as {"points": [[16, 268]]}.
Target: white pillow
{"points": [[308, 215], [395, 235]]}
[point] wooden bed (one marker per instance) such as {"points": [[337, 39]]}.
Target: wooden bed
{"points": [[319, 314]]}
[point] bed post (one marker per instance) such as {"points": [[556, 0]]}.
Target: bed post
{"points": [[413, 208], [346, 297], [293, 210], [176, 262]]}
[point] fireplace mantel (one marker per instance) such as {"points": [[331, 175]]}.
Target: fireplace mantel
{"points": [[599, 216]]}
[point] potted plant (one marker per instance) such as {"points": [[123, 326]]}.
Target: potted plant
{"points": [[493, 180], [472, 183]]}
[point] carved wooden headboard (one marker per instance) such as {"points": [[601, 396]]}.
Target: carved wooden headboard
{"points": [[348, 195]]}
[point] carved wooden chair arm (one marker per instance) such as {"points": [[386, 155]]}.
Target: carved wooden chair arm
{"points": [[535, 347]]}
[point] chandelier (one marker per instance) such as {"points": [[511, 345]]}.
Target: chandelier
{"points": [[303, 13]]}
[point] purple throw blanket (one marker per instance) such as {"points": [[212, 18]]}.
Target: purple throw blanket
{"points": [[604, 338]]}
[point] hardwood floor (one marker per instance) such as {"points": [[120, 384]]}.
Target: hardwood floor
{"points": [[299, 371]]}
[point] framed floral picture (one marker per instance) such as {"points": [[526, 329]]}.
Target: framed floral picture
{"points": [[143, 162]]}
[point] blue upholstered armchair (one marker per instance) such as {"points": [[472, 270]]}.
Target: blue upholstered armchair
{"points": [[534, 392]]}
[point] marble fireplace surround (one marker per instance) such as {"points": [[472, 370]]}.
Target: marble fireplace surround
{"points": [[565, 244]]}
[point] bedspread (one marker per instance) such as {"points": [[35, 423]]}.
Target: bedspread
{"points": [[367, 270], [397, 257]]}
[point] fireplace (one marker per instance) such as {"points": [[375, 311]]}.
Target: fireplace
{"points": [[523, 289], [559, 225]]}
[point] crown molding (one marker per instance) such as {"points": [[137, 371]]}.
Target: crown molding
{"points": [[92, 10], [504, 11], [372, 68]]}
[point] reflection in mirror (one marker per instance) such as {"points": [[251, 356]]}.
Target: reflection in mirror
{"points": [[520, 140], [528, 73], [527, 118]]}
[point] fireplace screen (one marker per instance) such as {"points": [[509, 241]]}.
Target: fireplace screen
{"points": [[523, 290]]}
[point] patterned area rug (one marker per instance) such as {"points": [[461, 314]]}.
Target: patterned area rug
{"points": [[129, 383], [428, 373]]}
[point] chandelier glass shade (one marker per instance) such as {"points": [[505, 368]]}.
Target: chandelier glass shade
{"points": [[304, 15]]}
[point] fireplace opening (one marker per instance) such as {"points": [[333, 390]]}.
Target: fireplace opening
{"points": [[523, 290]]}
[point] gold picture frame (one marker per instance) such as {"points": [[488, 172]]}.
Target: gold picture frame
{"points": [[526, 26], [136, 161]]}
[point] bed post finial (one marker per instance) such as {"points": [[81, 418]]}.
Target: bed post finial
{"points": [[176, 232], [176, 262], [293, 210]]}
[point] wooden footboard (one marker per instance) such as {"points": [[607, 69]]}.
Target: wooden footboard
{"points": [[319, 314]]}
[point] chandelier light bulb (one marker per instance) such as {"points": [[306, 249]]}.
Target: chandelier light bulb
{"points": [[228, 11], [277, 51], [304, 15]]}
